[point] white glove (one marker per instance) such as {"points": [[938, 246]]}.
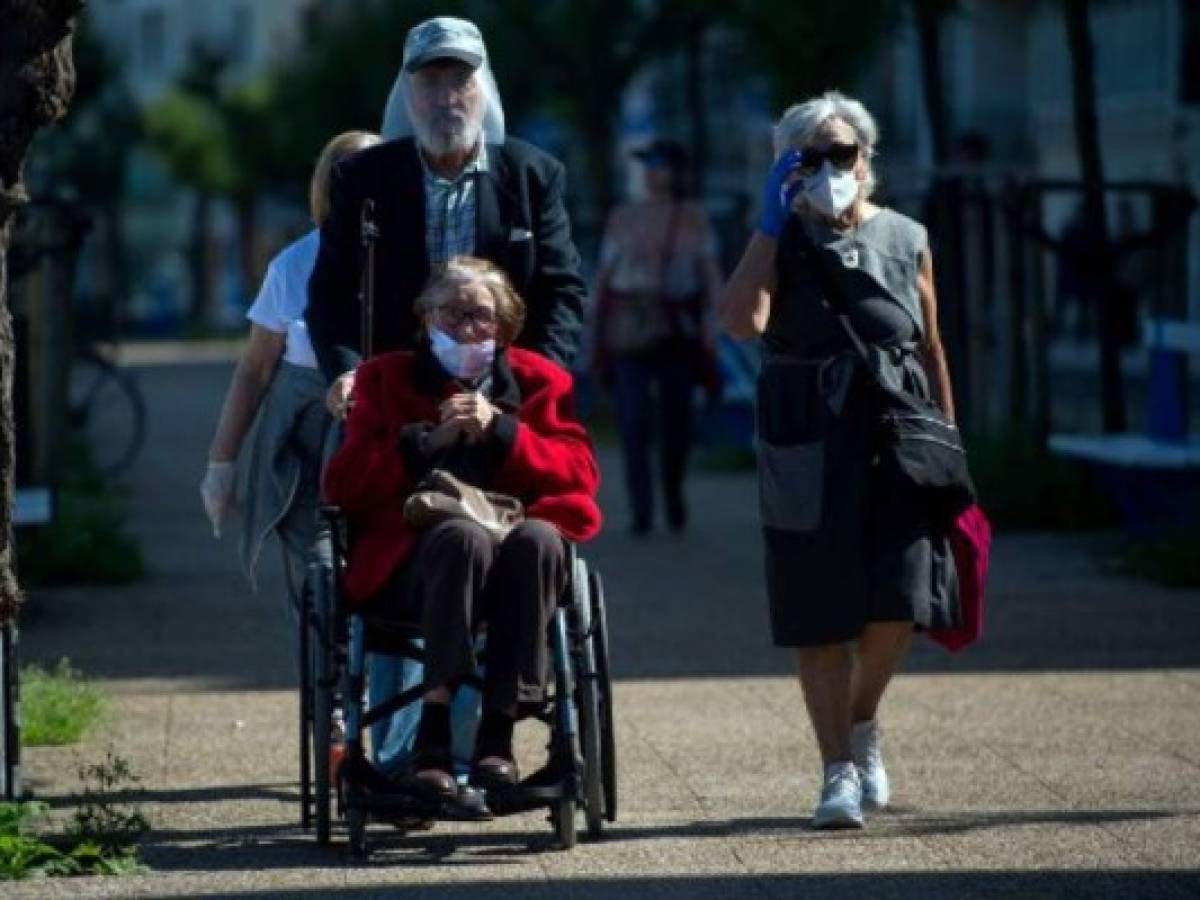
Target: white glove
{"points": [[216, 490]]}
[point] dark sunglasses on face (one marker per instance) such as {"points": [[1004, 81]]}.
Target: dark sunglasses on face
{"points": [[842, 156]]}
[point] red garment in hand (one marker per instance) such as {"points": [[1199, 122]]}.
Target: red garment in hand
{"points": [[971, 543]]}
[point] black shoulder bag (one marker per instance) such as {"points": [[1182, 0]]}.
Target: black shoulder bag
{"points": [[917, 442]]}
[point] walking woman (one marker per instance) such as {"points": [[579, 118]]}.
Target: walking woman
{"points": [[654, 331], [278, 373], [848, 551]]}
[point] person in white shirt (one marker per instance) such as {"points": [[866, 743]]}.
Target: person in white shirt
{"points": [[279, 367]]}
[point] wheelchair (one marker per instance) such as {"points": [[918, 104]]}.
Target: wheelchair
{"points": [[334, 643]]}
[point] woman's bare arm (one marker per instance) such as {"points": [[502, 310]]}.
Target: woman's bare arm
{"points": [[932, 351], [250, 380], [744, 304]]}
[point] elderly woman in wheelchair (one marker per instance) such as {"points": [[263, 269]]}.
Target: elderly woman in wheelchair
{"points": [[468, 403]]}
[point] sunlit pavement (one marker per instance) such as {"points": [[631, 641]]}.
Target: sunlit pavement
{"points": [[1061, 757]]}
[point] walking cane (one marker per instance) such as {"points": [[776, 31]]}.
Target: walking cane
{"points": [[368, 232]]}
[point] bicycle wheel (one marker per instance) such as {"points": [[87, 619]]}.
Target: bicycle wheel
{"points": [[106, 412]]}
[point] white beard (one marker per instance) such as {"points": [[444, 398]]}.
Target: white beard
{"points": [[448, 133]]}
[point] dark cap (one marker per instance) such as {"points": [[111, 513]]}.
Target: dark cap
{"points": [[663, 152], [443, 37]]}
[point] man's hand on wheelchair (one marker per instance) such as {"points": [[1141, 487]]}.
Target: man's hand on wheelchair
{"points": [[339, 397]]}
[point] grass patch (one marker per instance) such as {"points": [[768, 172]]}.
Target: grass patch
{"points": [[1170, 558], [1022, 485], [100, 839], [57, 707], [87, 542]]}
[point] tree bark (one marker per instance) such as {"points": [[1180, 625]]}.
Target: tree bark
{"points": [[37, 79], [1100, 279], [200, 261], [929, 15], [696, 107], [246, 208]]}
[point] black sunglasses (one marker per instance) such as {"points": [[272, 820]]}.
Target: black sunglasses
{"points": [[842, 156]]}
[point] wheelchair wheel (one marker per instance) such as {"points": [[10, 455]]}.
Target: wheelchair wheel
{"points": [[565, 734], [588, 701], [306, 699], [322, 702], [562, 819], [604, 692], [356, 825]]}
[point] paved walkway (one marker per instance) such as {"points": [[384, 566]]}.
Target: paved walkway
{"points": [[1059, 758]]}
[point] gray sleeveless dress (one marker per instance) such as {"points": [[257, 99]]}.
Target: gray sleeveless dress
{"points": [[844, 545]]}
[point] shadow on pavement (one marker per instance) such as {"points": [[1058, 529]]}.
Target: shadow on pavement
{"points": [[1098, 884], [287, 847], [285, 792]]}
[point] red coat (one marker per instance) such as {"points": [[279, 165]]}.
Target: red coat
{"points": [[548, 462]]}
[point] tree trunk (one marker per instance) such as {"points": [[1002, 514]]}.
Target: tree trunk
{"points": [[1100, 277], [929, 15], [247, 228], [200, 258], [116, 254], [696, 107], [37, 79], [600, 136]]}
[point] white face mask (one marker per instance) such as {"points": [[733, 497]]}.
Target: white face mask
{"points": [[461, 360], [831, 191]]}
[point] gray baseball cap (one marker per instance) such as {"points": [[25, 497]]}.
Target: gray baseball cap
{"points": [[443, 37]]}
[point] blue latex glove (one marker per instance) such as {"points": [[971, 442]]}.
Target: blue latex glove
{"points": [[778, 196]]}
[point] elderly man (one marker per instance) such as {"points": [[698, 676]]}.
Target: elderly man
{"points": [[449, 183]]}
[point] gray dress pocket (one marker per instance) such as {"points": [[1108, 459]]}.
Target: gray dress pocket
{"points": [[790, 485]]}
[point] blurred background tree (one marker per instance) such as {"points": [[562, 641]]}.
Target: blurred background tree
{"points": [[86, 159], [221, 142], [187, 131]]}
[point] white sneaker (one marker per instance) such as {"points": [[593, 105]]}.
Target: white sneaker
{"points": [[866, 747], [841, 798]]}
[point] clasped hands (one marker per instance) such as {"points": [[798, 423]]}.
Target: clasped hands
{"points": [[468, 415]]}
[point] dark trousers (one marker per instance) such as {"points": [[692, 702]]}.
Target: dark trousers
{"points": [[637, 377], [460, 576]]}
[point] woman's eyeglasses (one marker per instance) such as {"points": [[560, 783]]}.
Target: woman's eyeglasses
{"points": [[842, 156], [458, 316]]}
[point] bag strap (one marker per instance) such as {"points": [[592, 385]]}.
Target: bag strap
{"points": [[833, 298]]}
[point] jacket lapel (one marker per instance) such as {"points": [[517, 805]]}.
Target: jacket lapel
{"points": [[495, 207], [406, 190]]}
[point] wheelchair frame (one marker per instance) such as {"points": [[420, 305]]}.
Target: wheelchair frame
{"points": [[334, 641]]}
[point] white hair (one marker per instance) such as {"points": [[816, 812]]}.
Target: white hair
{"points": [[800, 123], [397, 115]]}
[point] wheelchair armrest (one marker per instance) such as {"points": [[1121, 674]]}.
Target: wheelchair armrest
{"points": [[330, 513]]}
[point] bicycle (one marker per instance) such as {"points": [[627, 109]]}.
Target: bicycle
{"points": [[105, 410]]}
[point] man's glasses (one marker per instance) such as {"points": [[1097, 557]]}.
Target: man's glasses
{"points": [[458, 316], [842, 156]]}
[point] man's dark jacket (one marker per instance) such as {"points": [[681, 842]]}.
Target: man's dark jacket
{"points": [[521, 226]]}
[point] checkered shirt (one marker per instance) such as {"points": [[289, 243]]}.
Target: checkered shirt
{"points": [[450, 211]]}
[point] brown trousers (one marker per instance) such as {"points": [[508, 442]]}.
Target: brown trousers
{"points": [[459, 577]]}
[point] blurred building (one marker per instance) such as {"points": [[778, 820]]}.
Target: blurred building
{"points": [[154, 41], [1007, 82], [155, 37]]}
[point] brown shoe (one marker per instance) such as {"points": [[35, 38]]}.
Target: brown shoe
{"points": [[437, 784], [494, 772]]}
